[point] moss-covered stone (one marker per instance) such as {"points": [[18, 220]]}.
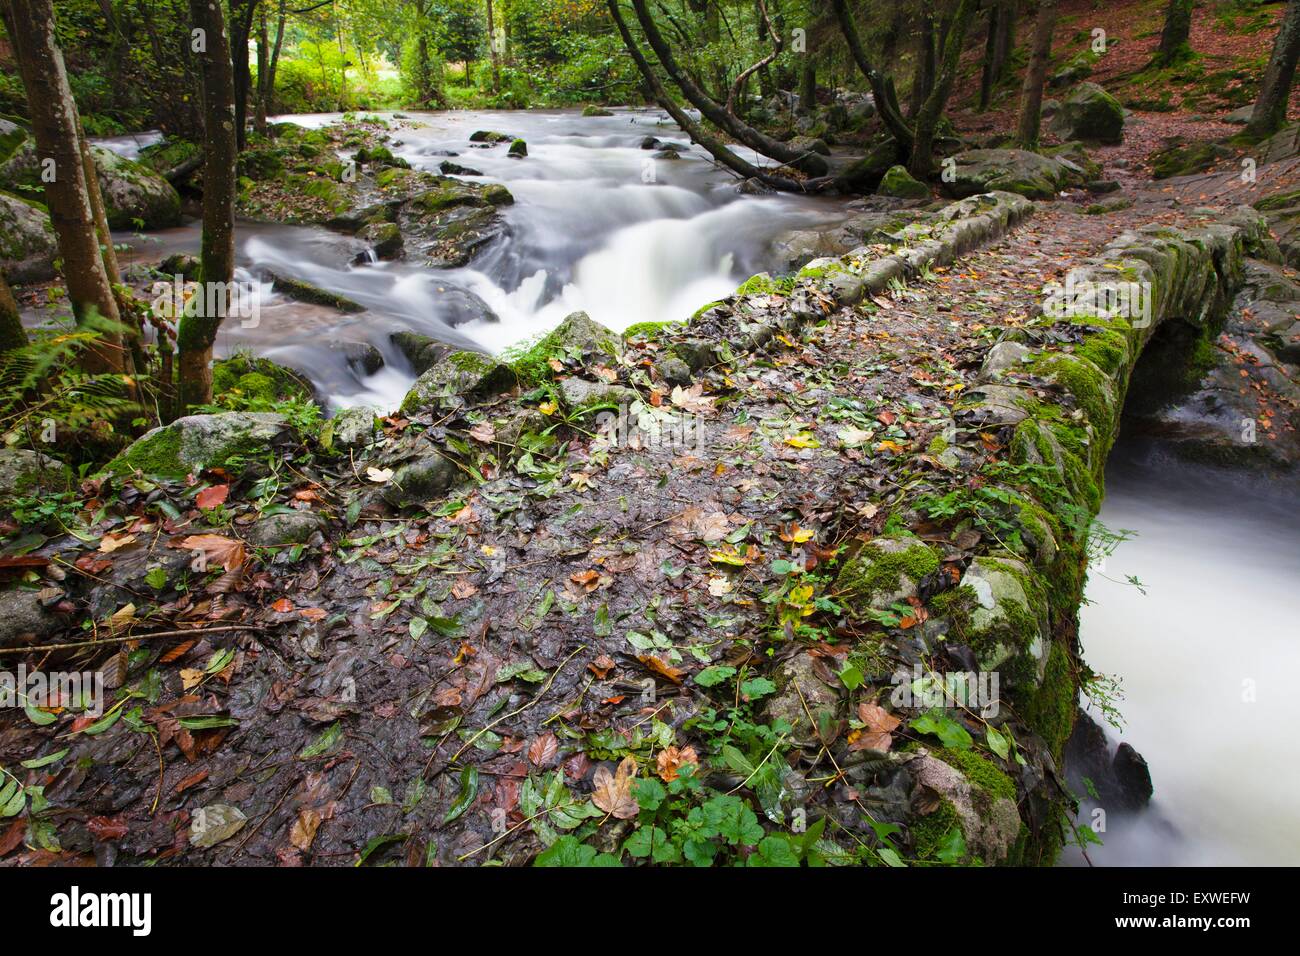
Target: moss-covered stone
{"points": [[898, 183], [458, 378], [576, 337], [195, 442], [1051, 709], [885, 570]]}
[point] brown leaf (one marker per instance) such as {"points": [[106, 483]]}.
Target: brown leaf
{"points": [[212, 497], [218, 549], [543, 751], [613, 792], [587, 579], [602, 665], [303, 831], [879, 729], [671, 759], [483, 432], [12, 838], [659, 667], [177, 652]]}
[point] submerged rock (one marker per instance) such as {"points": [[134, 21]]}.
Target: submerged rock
{"points": [[302, 291]]}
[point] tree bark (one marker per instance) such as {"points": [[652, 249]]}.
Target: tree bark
{"points": [[492, 49], [923, 75], [881, 89], [12, 334], [1031, 94], [197, 333], [1270, 110], [927, 118], [57, 132], [268, 93], [241, 28], [1178, 28], [809, 162], [263, 54], [716, 148]]}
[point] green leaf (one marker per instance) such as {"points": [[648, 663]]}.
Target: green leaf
{"points": [[381, 795], [756, 688], [652, 842], [775, 850], [997, 743], [101, 725], [568, 851], [207, 723], [377, 843], [890, 857], [851, 677], [468, 791], [712, 676], [324, 742], [952, 734], [38, 762], [417, 627], [39, 717], [156, 578], [952, 848]]}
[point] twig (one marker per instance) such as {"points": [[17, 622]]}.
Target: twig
{"points": [[129, 637]]}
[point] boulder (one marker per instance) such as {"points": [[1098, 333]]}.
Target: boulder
{"points": [[1184, 159], [1010, 170], [454, 220], [11, 137], [23, 619], [302, 291], [25, 472], [384, 239], [190, 444], [1091, 114], [518, 149], [354, 428], [1007, 622], [458, 378], [898, 182], [134, 195], [594, 110], [28, 246], [810, 144], [580, 394], [1284, 144], [285, 528], [979, 798], [422, 351], [885, 570]]}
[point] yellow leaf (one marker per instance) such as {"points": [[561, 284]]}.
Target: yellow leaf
{"points": [[803, 440]]}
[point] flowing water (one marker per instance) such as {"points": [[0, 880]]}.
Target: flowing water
{"points": [[598, 225], [1207, 656]]}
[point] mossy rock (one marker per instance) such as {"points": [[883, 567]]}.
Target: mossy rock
{"points": [[245, 377], [884, 571], [11, 137], [1010, 170], [25, 472], [457, 379], [1090, 114], [594, 110], [974, 796], [28, 245], [195, 442], [1184, 160], [518, 149], [1000, 611], [577, 337], [898, 182], [489, 136], [303, 291]]}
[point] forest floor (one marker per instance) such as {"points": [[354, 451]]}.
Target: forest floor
{"points": [[449, 689]]}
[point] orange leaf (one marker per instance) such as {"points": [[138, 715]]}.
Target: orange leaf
{"points": [[212, 497], [613, 792]]}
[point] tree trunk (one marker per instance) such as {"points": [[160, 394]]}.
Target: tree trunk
{"points": [[263, 55], [1178, 27], [1006, 39], [241, 28], [697, 133], [927, 118], [12, 334], [990, 44], [881, 89], [1270, 110], [809, 162], [492, 49], [923, 74], [58, 140], [268, 93], [197, 333], [1031, 94], [808, 85]]}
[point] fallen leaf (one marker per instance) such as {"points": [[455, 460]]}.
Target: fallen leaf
{"points": [[613, 791], [108, 544], [543, 751], [671, 759], [879, 729], [217, 549], [212, 497]]}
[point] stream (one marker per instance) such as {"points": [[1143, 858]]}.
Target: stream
{"points": [[587, 232], [1206, 658]]}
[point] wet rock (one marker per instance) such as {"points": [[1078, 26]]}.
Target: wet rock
{"points": [[1133, 777], [990, 404], [456, 379], [864, 175], [897, 182], [384, 240], [650, 143], [454, 220], [1091, 114], [798, 684], [23, 619], [190, 444], [579, 394], [286, 528], [421, 481], [489, 136], [1284, 144], [1004, 357], [1121, 779], [302, 291], [518, 149], [28, 246], [1008, 620], [810, 144], [455, 169], [422, 351], [673, 370], [355, 427], [180, 264], [594, 110]]}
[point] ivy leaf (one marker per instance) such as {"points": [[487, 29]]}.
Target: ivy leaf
{"points": [[952, 734], [468, 791]]}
